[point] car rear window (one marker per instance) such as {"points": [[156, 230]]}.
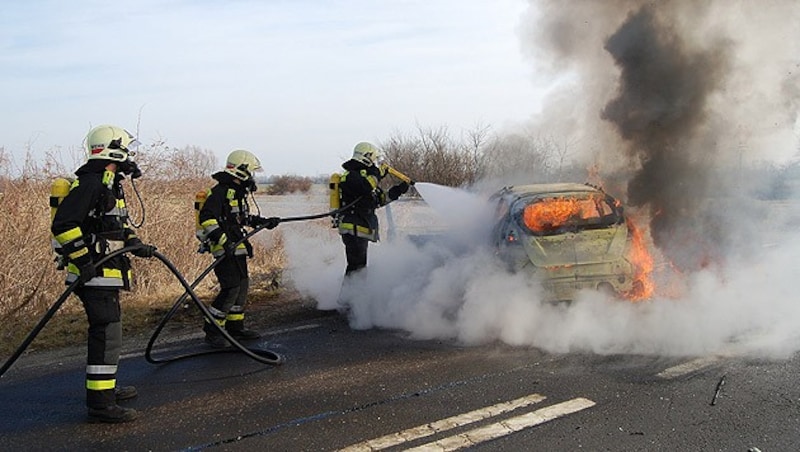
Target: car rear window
{"points": [[559, 214]]}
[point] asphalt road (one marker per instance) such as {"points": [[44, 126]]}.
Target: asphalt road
{"points": [[369, 390]]}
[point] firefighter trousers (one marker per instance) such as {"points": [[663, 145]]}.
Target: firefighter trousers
{"points": [[234, 283], [104, 343], [355, 250]]}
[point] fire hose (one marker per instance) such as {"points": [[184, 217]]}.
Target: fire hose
{"points": [[263, 356], [272, 358], [277, 359]]}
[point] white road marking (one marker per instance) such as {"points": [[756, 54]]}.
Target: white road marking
{"points": [[506, 427], [421, 431], [688, 367], [310, 326]]}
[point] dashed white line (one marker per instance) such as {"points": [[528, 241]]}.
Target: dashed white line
{"points": [[384, 442], [687, 367], [506, 427], [310, 326]]}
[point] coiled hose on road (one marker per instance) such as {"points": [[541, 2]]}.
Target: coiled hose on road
{"points": [[264, 356]]}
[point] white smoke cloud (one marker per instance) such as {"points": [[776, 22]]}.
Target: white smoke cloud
{"points": [[315, 262], [462, 293]]}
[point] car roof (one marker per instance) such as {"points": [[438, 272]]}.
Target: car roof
{"points": [[539, 189]]}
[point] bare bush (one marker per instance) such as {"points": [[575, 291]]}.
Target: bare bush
{"points": [[281, 185], [519, 156], [25, 254], [161, 162], [432, 155]]}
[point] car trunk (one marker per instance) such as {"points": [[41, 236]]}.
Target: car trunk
{"points": [[571, 248]]}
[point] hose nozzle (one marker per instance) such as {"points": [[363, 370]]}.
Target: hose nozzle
{"points": [[398, 174]]}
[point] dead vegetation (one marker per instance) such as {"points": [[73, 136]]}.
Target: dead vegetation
{"points": [[30, 282]]}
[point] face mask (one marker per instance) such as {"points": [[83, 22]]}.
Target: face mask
{"points": [[129, 167]]}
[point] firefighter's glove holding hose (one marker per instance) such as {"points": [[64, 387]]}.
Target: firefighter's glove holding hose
{"points": [[86, 268], [269, 223], [144, 251], [230, 248], [141, 249], [398, 190]]}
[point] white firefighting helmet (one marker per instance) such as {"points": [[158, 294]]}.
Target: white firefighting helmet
{"points": [[242, 165], [109, 142], [367, 153]]}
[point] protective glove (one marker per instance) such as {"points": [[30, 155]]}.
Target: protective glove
{"points": [[230, 248], [272, 222], [143, 250], [398, 190], [269, 223], [87, 271]]}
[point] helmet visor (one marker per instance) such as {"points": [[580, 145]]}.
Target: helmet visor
{"points": [[130, 149]]}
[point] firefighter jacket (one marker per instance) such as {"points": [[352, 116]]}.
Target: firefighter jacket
{"points": [[360, 182], [91, 222], [224, 215]]}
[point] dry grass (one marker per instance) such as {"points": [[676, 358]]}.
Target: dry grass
{"points": [[30, 283]]}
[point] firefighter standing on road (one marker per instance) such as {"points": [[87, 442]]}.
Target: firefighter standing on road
{"points": [[358, 225], [222, 219], [90, 222]]}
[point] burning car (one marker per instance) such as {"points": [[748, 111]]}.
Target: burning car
{"points": [[571, 236]]}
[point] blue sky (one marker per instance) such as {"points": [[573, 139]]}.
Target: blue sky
{"points": [[296, 82]]}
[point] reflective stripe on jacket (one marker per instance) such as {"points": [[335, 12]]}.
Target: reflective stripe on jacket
{"points": [[224, 215], [360, 182], [91, 222]]}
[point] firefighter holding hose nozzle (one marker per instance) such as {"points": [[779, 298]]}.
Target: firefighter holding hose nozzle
{"points": [[358, 185], [91, 220], [221, 220]]}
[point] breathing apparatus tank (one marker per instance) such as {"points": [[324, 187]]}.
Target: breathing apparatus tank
{"points": [[335, 197], [199, 201], [59, 189], [333, 188]]}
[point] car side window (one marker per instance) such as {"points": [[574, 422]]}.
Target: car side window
{"points": [[501, 221]]}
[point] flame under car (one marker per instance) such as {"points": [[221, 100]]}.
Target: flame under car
{"points": [[571, 236]]}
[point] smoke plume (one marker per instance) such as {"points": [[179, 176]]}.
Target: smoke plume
{"points": [[675, 93]]}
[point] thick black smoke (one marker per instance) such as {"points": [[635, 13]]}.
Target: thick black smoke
{"points": [[660, 107], [671, 100]]}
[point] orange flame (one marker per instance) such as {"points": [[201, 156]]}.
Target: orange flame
{"points": [[554, 213], [642, 260]]}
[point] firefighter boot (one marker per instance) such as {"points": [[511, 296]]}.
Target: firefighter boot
{"points": [[113, 414], [213, 337], [237, 330], [125, 393]]}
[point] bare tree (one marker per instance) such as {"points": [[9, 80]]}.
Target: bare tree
{"points": [[161, 162], [433, 155], [527, 157]]}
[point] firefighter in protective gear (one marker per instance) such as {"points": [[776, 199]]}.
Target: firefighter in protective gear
{"points": [[222, 219], [91, 221], [358, 225]]}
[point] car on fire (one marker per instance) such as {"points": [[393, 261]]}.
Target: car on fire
{"points": [[572, 237]]}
